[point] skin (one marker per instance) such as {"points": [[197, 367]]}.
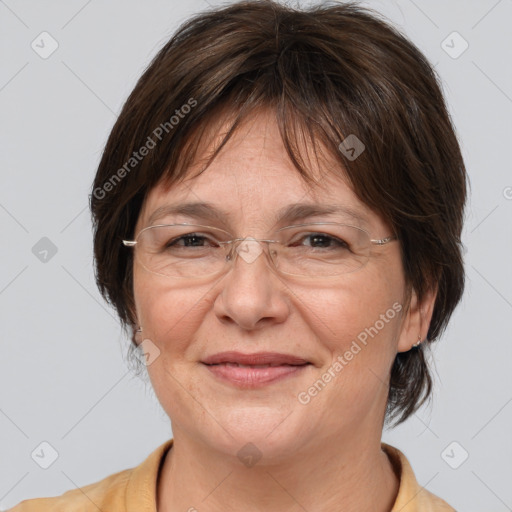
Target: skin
{"points": [[322, 456]]}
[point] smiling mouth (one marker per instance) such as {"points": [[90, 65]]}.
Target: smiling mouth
{"points": [[256, 359], [248, 371], [270, 365]]}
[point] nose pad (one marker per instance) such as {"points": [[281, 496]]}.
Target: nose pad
{"points": [[249, 249]]}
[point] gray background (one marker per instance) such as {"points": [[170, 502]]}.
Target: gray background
{"points": [[64, 378]]}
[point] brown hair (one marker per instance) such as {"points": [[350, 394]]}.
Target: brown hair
{"points": [[327, 72]]}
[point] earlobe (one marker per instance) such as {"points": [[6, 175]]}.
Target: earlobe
{"points": [[137, 334], [417, 319], [135, 324]]}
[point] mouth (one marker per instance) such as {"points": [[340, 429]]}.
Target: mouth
{"points": [[254, 370]]}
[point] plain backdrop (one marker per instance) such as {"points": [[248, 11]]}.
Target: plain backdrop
{"points": [[64, 377]]}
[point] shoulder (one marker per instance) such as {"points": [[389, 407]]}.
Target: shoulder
{"points": [[107, 494], [412, 497], [136, 486]]}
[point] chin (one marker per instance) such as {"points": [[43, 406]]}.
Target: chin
{"points": [[266, 433]]}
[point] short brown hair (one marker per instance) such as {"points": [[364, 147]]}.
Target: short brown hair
{"points": [[327, 72]]}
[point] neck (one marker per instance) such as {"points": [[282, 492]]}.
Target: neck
{"points": [[324, 476]]}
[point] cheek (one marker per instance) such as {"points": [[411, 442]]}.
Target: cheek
{"points": [[357, 327], [170, 313], [346, 312]]}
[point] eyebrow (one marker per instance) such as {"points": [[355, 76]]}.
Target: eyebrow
{"points": [[290, 213], [302, 211], [196, 210]]}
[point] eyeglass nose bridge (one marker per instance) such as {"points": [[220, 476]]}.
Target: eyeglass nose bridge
{"points": [[248, 248]]}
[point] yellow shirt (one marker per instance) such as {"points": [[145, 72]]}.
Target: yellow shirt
{"points": [[134, 490]]}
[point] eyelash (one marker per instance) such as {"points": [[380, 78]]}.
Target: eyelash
{"points": [[330, 238]]}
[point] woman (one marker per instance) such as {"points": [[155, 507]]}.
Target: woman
{"points": [[278, 214]]}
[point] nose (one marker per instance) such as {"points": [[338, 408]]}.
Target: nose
{"points": [[252, 294]]}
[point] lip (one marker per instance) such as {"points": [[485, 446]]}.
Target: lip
{"points": [[257, 358], [259, 369]]}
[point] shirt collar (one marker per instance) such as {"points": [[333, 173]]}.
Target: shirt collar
{"points": [[142, 486]]}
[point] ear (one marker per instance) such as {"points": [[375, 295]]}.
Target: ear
{"points": [[416, 320], [134, 323]]}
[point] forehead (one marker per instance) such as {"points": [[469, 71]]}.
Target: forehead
{"points": [[253, 178]]}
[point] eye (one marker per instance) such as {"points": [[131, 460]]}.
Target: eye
{"points": [[320, 241], [191, 240]]}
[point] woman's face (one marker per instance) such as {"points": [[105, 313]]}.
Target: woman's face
{"points": [[348, 328]]}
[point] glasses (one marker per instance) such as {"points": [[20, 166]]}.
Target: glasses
{"points": [[318, 249]]}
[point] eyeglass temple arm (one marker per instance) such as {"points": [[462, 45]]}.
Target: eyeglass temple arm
{"points": [[129, 243], [383, 241]]}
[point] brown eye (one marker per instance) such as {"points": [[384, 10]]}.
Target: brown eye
{"points": [[191, 240], [320, 241]]}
